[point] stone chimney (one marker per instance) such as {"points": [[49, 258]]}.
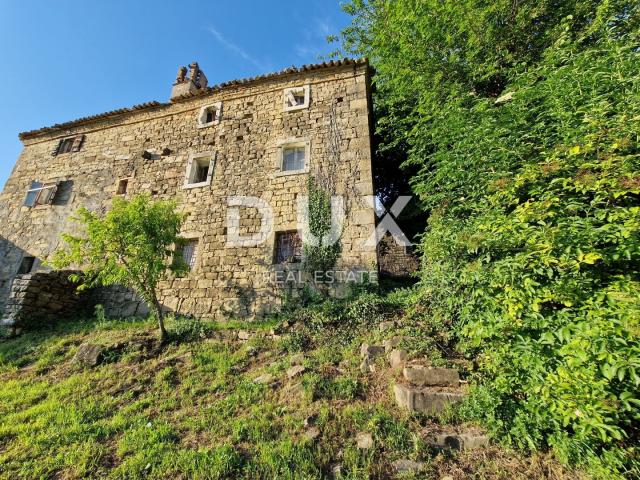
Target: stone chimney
{"points": [[189, 83]]}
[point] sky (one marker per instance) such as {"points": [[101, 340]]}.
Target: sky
{"points": [[65, 59]]}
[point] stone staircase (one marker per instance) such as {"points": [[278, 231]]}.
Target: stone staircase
{"points": [[428, 390], [425, 389]]}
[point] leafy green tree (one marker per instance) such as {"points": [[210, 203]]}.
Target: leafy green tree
{"points": [[130, 245], [521, 120]]}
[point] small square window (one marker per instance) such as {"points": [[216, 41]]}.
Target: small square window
{"points": [[293, 158], [122, 186], [26, 265], [40, 193], [210, 115], [199, 170], [296, 98], [288, 247], [188, 251]]}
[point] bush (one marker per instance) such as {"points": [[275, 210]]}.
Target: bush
{"points": [[523, 121]]}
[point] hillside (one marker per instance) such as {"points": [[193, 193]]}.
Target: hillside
{"points": [[277, 399]]}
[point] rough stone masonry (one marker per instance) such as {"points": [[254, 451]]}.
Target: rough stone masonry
{"points": [[259, 137]]}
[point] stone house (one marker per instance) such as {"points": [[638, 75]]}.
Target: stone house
{"points": [[261, 137]]}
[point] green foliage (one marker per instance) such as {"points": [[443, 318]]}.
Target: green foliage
{"points": [[522, 119], [130, 245], [321, 257], [189, 330]]}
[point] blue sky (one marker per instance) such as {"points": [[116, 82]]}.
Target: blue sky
{"points": [[60, 60]]}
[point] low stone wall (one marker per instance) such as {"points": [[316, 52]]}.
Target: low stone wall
{"points": [[118, 302], [41, 298], [396, 260]]}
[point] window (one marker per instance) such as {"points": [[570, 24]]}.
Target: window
{"points": [[210, 115], [288, 247], [40, 193], [293, 156], [122, 186], [188, 251], [296, 98], [66, 145], [199, 170], [26, 265]]}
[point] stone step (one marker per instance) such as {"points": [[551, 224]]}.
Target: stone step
{"points": [[426, 400], [431, 377], [458, 440]]}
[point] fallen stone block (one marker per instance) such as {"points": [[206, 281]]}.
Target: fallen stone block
{"points": [[89, 355], [397, 359], [391, 343], [459, 441], [295, 371], [386, 326], [434, 377], [424, 400], [364, 440], [405, 466], [371, 351], [264, 378], [297, 359]]}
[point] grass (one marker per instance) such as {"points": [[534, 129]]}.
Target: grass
{"points": [[192, 410]]}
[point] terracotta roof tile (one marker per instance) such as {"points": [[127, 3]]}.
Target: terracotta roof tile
{"points": [[211, 89]]}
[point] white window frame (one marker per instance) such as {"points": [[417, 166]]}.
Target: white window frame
{"points": [[202, 115], [292, 90], [49, 188], [193, 158], [293, 142]]}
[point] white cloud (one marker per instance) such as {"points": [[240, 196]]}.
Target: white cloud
{"points": [[238, 50]]}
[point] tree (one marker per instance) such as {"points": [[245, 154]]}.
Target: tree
{"points": [[130, 245]]}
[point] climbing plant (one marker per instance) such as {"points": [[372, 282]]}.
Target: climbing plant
{"points": [[319, 256]]}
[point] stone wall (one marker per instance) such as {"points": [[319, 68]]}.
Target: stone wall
{"points": [[118, 302], [41, 298], [151, 147], [396, 260]]}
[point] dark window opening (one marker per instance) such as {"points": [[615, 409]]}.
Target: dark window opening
{"points": [[26, 265], [122, 186], [288, 247], [201, 173], [210, 116], [66, 145]]}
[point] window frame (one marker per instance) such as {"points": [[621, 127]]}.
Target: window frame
{"points": [[277, 260], [202, 115], [293, 143], [184, 239], [52, 189], [71, 145], [189, 174], [305, 89]]}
